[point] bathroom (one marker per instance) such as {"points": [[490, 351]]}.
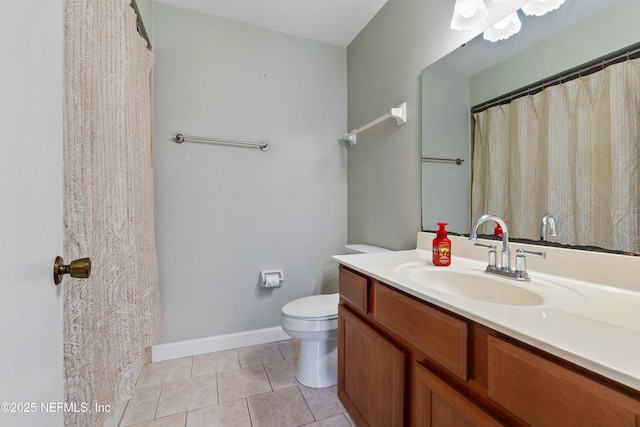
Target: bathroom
{"points": [[297, 204], [226, 213]]}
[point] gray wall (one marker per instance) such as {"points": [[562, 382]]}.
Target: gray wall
{"points": [[384, 63], [145, 7], [224, 213]]}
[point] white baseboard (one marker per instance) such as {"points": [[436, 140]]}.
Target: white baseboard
{"points": [[176, 350]]}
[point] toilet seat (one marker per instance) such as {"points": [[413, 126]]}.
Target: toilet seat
{"points": [[313, 308]]}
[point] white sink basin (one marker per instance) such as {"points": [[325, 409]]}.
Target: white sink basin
{"points": [[481, 288], [475, 284]]}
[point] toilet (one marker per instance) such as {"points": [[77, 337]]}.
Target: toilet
{"points": [[314, 321]]}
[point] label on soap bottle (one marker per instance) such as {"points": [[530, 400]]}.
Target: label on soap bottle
{"points": [[442, 254], [441, 247]]}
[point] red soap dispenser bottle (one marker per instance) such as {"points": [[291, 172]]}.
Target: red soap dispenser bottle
{"points": [[441, 247]]}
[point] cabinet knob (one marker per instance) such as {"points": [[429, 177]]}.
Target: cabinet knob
{"points": [[79, 268]]}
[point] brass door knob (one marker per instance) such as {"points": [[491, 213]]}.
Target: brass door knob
{"points": [[80, 268]]}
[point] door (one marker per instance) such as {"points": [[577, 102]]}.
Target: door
{"points": [[31, 228]]}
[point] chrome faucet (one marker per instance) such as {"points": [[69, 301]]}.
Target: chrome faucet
{"points": [[506, 252], [548, 223], [504, 270]]}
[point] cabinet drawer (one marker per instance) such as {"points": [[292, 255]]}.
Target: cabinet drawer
{"points": [[354, 289], [441, 337], [541, 392]]}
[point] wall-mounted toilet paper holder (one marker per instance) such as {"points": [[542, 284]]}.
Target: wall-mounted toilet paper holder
{"points": [[271, 278]]}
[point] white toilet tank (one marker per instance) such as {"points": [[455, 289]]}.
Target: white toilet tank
{"points": [[361, 248]]}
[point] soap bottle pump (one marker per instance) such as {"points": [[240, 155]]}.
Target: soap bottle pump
{"points": [[441, 247], [498, 230]]}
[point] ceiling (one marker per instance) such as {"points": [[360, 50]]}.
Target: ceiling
{"points": [[331, 21]]}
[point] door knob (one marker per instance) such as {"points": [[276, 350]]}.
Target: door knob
{"points": [[80, 268]]}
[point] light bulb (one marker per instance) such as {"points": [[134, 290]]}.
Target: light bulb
{"points": [[503, 29], [468, 14], [468, 9], [540, 7]]}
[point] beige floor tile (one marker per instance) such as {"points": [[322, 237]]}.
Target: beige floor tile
{"points": [[256, 387], [282, 408], [282, 373], [289, 348], [177, 420], [335, 421], [230, 414], [186, 395], [323, 402], [164, 372], [142, 405], [259, 354], [242, 383], [212, 363]]}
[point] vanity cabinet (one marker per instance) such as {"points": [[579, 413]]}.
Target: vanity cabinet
{"points": [[403, 361]]}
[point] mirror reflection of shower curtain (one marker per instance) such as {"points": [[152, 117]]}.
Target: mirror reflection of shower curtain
{"points": [[111, 318], [572, 150]]}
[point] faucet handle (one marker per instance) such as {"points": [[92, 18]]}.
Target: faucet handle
{"points": [[522, 252], [484, 246], [521, 262], [492, 254]]}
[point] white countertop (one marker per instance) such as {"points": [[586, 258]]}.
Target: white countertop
{"points": [[599, 330]]}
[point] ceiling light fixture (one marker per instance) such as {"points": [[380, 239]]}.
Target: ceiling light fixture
{"points": [[540, 7], [503, 29], [468, 14]]}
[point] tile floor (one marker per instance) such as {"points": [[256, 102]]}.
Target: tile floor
{"points": [[249, 386]]}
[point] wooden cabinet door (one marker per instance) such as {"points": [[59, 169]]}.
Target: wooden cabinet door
{"points": [[436, 404], [371, 374]]}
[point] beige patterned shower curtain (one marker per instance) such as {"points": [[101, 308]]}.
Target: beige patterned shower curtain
{"points": [[111, 318], [572, 150]]}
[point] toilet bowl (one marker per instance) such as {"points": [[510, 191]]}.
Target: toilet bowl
{"points": [[314, 321]]}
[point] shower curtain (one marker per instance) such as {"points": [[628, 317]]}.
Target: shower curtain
{"points": [[112, 318], [572, 150]]}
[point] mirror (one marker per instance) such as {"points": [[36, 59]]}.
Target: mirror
{"points": [[576, 33]]}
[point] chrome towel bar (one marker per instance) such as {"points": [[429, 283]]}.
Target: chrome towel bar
{"points": [[180, 138], [440, 160]]}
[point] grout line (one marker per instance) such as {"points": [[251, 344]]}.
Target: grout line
{"points": [[307, 403], [158, 403], [126, 405], [280, 350], [268, 379], [217, 388], [246, 402]]}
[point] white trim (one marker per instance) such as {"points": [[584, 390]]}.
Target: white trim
{"points": [[176, 350]]}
